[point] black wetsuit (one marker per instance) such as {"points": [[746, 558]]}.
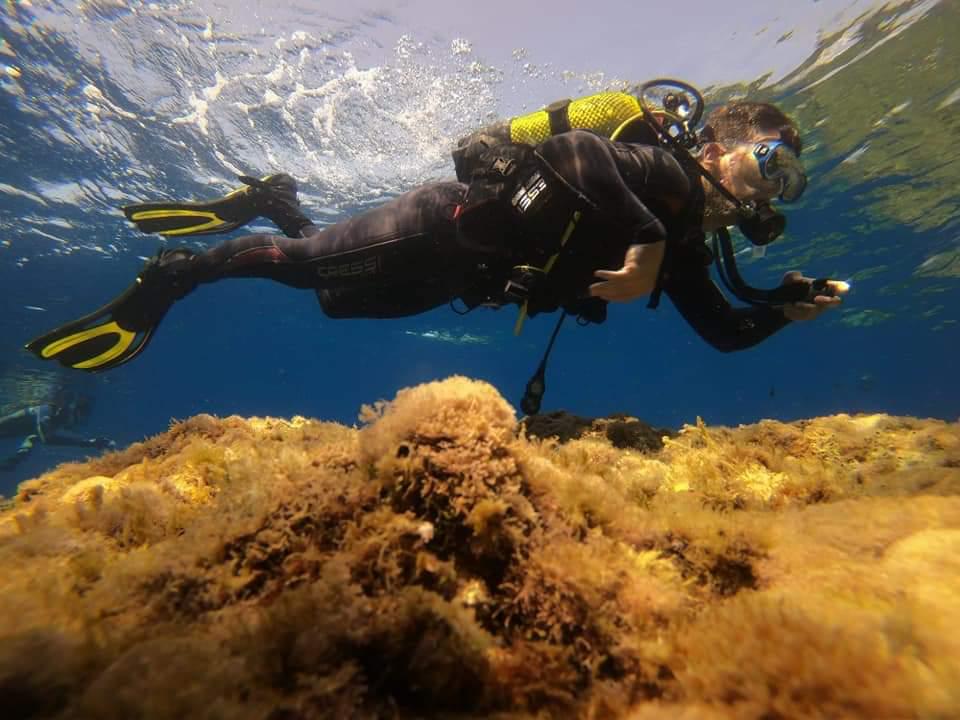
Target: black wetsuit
{"points": [[413, 253]]}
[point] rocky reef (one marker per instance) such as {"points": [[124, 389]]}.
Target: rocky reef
{"points": [[445, 560]]}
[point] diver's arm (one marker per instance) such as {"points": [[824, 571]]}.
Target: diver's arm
{"points": [[708, 312], [637, 277], [622, 181]]}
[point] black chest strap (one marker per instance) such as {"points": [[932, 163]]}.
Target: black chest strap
{"points": [[682, 231]]}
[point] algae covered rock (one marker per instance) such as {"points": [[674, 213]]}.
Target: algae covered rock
{"points": [[622, 431], [445, 560]]}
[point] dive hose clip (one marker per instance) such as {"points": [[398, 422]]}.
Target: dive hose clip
{"points": [[522, 282]]}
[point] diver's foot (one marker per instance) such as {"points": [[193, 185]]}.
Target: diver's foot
{"points": [[275, 197], [272, 191], [169, 276]]}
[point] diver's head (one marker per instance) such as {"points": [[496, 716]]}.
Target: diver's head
{"points": [[753, 149]]}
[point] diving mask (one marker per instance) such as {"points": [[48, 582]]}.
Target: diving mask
{"points": [[779, 163]]}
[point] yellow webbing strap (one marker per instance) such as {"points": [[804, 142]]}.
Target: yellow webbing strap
{"points": [[571, 226]]}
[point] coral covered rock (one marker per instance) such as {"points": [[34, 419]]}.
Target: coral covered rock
{"points": [[444, 560]]}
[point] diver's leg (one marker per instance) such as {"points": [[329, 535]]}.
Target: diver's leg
{"points": [[273, 197], [408, 239]]}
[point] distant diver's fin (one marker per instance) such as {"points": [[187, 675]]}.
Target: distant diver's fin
{"points": [[273, 195], [121, 329]]}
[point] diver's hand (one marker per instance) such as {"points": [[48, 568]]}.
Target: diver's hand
{"points": [[102, 443], [806, 310], [636, 278]]}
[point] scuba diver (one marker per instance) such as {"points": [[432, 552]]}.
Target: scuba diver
{"points": [[601, 199], [48, 423]]}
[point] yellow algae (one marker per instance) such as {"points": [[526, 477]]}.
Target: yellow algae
{"points": [[441, 561], [760, 482], [91, 489]]}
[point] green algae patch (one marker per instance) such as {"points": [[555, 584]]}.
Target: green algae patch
{"points": [[446, 560]]}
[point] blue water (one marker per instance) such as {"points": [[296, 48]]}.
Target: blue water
{"points": [[102, 105]]}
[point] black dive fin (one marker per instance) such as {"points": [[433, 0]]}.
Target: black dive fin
{"points": [[121, 329], [237, 208]]}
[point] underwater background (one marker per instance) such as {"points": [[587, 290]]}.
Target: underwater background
{"points": [[104, 103]]}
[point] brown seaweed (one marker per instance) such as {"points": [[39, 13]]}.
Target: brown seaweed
{"points": [[444, 561]]}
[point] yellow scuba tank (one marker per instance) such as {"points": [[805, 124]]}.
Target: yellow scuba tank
{"points": [[602, 113], [616, 115], [640, 116]]}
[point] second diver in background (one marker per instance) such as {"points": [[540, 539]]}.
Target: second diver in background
{"points": [[48, 423]]}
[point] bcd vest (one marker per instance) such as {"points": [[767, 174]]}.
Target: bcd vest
{"points": [[520, 216]]}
